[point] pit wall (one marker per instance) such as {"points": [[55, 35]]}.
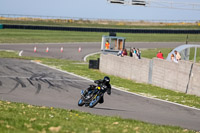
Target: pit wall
{"points": [[183, 76]]}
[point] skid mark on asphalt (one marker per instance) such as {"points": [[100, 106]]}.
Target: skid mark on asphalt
{"points": [[30, 81], [27, 70], [38, 80], [19, 82], [16, 76], [11, 69], [35, 80], [38, 76], [36, 85], [38, 89]]}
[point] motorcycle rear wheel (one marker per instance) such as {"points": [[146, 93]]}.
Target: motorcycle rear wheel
{"points": [[94, 102]]}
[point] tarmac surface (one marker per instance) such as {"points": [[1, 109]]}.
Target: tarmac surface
{"points": [[71, 50], [27, 82]]}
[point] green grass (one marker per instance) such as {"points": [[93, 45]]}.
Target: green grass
{"points": [[110, 24], [192, 50], [151, 53], [47, 36], [93, 57], [23, 118], [159, 37], [139, 88]]}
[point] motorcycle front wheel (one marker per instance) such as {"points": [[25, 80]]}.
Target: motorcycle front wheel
{"points": [[81, 102]]}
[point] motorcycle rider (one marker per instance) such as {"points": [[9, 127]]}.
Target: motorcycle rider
{"points": [[105, 83]]}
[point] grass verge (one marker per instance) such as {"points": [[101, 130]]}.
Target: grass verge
{"points": [[139, 88], [151, 53], [46, 36], [23, 118], [109, 24]]}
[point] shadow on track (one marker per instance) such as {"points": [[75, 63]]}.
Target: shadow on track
{"points": [[109, 109]]}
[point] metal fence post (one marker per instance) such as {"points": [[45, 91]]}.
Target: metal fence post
{"points": [[150, 72], [195, 54], [190, 74]]}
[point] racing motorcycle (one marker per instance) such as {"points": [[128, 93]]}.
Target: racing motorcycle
{"points": [[93, 97]]}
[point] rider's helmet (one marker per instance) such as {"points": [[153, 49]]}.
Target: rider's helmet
{"points": [[106, 79]]}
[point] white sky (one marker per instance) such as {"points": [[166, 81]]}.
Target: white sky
{"points": [[95, 9]]}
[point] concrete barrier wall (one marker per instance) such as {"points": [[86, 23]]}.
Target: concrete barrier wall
{"points": [[194, 85], [171, 75], [183, 76], [125, 67]]}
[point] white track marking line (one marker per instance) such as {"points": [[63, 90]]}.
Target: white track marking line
{"points": [[157, 99], [117, 88], [63, 71], [7, 50], [20, 53], [90, 55]]}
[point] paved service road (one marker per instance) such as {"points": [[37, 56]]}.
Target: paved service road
{"points": [[27, 82], [71, 49]]}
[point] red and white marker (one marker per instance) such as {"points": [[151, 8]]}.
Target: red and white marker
{"points": [[61, 49], [35, 50], [79, 49], [47, 49]]}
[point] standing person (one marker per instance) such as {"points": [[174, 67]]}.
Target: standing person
{"points": [[124, 52], [131, 53], [178, 56], [120, 53], [134, 53], [107, 45], [138, 53], [160, 55], [173, 58]]}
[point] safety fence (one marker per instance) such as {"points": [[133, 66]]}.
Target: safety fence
{"points": [[160, 31]]}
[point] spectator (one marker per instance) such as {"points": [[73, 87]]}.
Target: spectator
{"points": [[131, 53], [160, 55], [173, 58], [120, 53], [107, 45], [124, 53], [138, 53], [134, 50], [134, 53], [178, 56]]}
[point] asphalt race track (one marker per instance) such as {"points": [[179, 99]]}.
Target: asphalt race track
{"points": [[71, 49], [27, 82]]}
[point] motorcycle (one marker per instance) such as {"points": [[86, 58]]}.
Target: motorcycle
{"points": [[92, 98]]}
